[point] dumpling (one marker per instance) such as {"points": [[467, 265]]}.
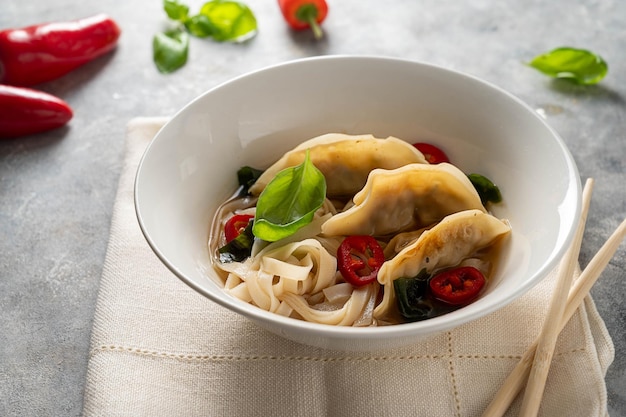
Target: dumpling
{"points": [[457, 237], [406, 198], [345, 160]]}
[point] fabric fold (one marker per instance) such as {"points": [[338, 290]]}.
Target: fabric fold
{"points": [[160, 348]]}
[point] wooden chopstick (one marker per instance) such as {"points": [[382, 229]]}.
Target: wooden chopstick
{"points": [[592, 272], [551, 326], [516, 379]]}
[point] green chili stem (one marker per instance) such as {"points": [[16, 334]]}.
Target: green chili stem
{"points": [[315, 27]]}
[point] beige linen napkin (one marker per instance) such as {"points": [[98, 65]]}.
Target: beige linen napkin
{"points": [[160, 349]]}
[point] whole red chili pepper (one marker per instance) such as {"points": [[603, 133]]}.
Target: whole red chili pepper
{"points": [[44, 52], [303, 14], [24, 111]]}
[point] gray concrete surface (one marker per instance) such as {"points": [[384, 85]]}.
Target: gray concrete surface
{"points": [[57, 189]]}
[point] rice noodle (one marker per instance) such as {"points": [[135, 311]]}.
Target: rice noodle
{"points": [[344, 316], [367, 315], [338, 293]]}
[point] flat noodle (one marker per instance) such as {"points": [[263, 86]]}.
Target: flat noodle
{"points": [[367, 315], [293, 269], [260, 288], [338, 292], [279, 278], [241, 291], [284, 309], [298, 267], [344, 316]]}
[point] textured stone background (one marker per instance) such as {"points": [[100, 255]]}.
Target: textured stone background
{"points": [[57, 189]]}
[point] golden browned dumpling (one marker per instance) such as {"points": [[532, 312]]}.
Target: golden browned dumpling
{"points": [[407, 198], [457, 237], [345, 160]]}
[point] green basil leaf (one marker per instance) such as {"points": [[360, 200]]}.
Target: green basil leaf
{"points": [[578, 65], [247, 176], [201, 26], [487, 190], [176, 10], [412, 297], [289, 201], [234, 21], [170, 50]]}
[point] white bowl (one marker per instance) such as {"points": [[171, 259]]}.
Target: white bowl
{"points": [[190, 168]]}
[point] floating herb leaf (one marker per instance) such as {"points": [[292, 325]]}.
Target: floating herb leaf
{"points": [[170, 50], [487, 190], [411, 296], [289, 201], [247, 176], [578, 65]]}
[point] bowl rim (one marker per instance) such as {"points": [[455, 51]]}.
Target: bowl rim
{"points": [[425, 327]]}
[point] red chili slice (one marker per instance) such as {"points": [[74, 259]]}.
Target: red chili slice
{"points": [[359, 258], [433, 154], [235, 225], [457, 286]]}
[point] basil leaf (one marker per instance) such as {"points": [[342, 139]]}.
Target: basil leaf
{"points": [[170, 50], [412, 297], [578, 65], [175, 10], [247, 176], [234, 21], [289, 201], [487, 190], [221, 20], [201, 26], [239, 248]]}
